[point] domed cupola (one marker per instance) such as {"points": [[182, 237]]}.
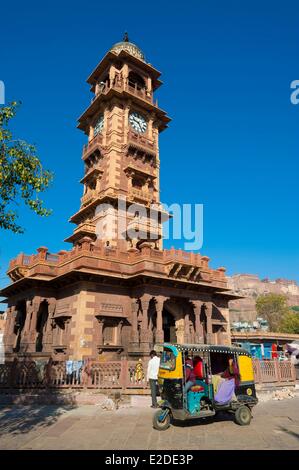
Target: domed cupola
{"points": [[129, 47]]}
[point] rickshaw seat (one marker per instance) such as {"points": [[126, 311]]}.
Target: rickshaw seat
{"points": [[197, 388]]}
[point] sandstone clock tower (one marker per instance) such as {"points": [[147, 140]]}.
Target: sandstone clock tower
{"points": [[116, 292], [121, 158]]}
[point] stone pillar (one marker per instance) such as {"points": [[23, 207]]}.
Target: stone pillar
{"points": [[112, 71], [199, 337], [11, 317], [159, 309], [208, 311], [130, 185], [187, 328], [119, 328], [91, 133], [150, 128], [126, 121], [134, 322], [125, 71], [101, 329], [150, 325], [48, 334], [149, 85], [180, 330], [29, 330], [9, 335], [144, 331]]}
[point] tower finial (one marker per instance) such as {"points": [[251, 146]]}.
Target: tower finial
{"points": [[126, 37]]}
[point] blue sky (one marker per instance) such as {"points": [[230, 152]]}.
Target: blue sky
{"points": [[232, 144]]}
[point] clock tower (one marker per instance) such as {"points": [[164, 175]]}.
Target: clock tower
{"points": [[121, 200], [116, 293]]}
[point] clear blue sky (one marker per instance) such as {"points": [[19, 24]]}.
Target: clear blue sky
{"points": [[233, 144]]}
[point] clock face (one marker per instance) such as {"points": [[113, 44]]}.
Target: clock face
{"points": [[138, 122], [99, 124]]}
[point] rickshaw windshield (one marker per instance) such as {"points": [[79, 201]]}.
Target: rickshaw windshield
{"points": [[167, 360]]}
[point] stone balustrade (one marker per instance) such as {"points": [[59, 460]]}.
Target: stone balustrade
{"points": [[123, 374], [86, 254], [141, 140]]}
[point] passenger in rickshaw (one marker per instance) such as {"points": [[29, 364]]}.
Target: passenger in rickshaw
{"points": [[228, 380], [232, 372], [190, 378], [222, 368]]}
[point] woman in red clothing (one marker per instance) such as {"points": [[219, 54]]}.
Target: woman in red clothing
{"points": [[232, 372], [190, 379]]}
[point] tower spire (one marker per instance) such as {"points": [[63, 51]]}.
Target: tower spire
{"points": [[126, 37]]}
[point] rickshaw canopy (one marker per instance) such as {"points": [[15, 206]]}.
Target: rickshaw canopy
{"points": [[205, 348]]}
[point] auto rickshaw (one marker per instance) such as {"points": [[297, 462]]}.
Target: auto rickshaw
{"points": [[201, 400]]}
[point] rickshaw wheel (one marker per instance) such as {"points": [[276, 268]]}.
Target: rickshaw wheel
{"points": [[243, 415], [161, 425]]}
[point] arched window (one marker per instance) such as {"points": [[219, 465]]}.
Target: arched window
{"points": [[136, 80]]}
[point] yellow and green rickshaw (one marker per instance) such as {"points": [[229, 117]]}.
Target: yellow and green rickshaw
{"points": [[224, 381]]}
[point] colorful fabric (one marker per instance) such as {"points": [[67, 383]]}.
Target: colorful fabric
{"points": [[225, 392], [216, 380]]}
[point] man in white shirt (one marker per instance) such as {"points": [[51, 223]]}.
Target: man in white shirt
{"points": [[152, 376]]}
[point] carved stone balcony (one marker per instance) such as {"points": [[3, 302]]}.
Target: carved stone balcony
{"points": [[141, 142], [140, 92], [141, 195], [120, 84], [92, 145], [88, 198]]}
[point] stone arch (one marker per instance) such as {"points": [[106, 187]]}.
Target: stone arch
{"points": [[136, 80], [176, 327], [169, 326]]}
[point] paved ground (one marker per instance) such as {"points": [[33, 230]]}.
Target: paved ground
{"points": [[275, 426]]}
